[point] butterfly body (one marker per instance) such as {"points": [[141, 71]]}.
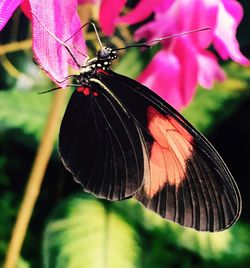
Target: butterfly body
{"points": [[119, 139]]}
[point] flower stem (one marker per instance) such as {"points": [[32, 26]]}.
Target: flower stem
{"points": [[15, 46], [35, 180]]}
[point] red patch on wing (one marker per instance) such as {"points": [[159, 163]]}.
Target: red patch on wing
{"points": [[95, 93], [84, 90], [169, 152], [101, 71]]}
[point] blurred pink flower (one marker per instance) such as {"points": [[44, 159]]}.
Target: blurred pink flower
{"points": [[109, 11], [185, 59], [172, 70], [175, 71], [7, 8], [61, 18]]}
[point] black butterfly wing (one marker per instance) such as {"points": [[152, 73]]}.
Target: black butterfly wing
{"points": [[189, 183], [101, 145]]}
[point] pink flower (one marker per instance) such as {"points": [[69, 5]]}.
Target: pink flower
{"points": [[229, 17], [109, 11], [173, 74], [6, 10], [185, 59], [61, 18], [175, 71]]}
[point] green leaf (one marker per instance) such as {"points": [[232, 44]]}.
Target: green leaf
{"points": [[230, 247], [87, 232], [25, 111]]}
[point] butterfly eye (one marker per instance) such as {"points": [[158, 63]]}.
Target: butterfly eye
{"points": [[103, 53]]}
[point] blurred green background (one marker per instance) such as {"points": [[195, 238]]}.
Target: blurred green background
{"points": [[70, 228]]}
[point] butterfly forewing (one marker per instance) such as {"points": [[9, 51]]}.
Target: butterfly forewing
{"points": [[188, 181], [101, 145]]}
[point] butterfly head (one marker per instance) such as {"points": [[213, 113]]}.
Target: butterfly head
{"points": [[103, 60], [107, 53], [104, 57]]}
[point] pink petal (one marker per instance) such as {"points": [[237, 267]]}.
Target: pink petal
{"points": [[198, 14], [187, 54], [61, 18], [142, 10], [163, 7], [7, 8], [162, 75], [209, 70], [225, 42], [172, 74], [153, 30], [171, 21], [204, 14], [109, 11]]}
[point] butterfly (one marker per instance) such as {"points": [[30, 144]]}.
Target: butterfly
{"points": [[119, 140]]}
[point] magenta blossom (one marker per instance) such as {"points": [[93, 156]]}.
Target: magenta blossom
{"points": [[184, 62], [175, 71], [60, 17]]}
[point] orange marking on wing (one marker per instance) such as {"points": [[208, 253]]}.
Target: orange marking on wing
{"points": [[181, 129], [169, 152]]}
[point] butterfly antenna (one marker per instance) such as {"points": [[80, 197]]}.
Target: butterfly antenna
{"points": [[58, 40], [56, 88], [146, 44], [84, 25], [97, 35], [50, 90]]}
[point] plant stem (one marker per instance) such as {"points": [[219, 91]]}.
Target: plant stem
{"points": [[35, 180], [15, 46]]}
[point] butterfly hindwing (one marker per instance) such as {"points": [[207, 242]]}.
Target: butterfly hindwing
{"points": [[188, 183], [101, 145]]}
